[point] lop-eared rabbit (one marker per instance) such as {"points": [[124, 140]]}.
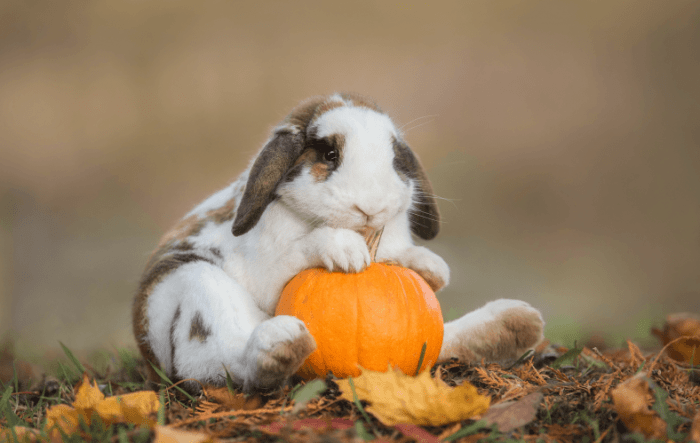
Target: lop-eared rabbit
{"points": [[334, 169]]}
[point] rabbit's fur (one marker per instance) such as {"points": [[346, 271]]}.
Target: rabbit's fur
{"points": [[333, 170]]}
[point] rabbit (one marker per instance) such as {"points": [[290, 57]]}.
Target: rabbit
{"points": [[333, 170]]}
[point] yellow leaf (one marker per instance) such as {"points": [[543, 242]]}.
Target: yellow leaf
{"points": [[22, 433], [632, 401], [398, 398], [88, 396], [64, 417], [165, 434], [136, 407]]}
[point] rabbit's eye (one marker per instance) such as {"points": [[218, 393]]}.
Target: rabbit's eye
{"points": [[331, 155]]}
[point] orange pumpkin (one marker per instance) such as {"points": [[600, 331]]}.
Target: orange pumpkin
{"points": [[381, 316]]}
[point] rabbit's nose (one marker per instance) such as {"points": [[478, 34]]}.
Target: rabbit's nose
{"points": [[367, 211]]}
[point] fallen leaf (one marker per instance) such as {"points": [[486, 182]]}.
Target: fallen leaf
{"points": [[19, 433], [136, 407], [232, 402], [422, 400], [681, 325], [510, 415], [694, 435], [165, 434], [317, 424], [63, 417], [87, 396], [632, 401]]}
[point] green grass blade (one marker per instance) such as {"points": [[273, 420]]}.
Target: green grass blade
{"points": [[81, 369], [6, 409], [362, 431], [356, 400], [161, 409], [422, 356], [165, 378], [229, 382], [468, 430], [307, 392], [14, 376], [522, 358], [569, 357], [673, 420]]}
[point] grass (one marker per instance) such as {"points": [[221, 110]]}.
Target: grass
{"points": [[575, 382]]}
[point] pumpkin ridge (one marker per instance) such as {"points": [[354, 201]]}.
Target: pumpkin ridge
{"points": [[404, 301]]}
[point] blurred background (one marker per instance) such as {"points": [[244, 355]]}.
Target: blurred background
{"points": [[563, 136]]}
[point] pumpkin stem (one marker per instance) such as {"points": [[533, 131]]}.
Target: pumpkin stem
{"points": [[372, 240]]}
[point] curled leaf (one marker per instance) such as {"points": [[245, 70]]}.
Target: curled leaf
{"points": [[422, 400], [632, 401], [681, 325]]}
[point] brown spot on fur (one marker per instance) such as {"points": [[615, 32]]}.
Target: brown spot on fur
{"points": [[513, 332], [173, 325], [309, 110], [461, 353], [435, 282], [154, 274], [319, 171], [186, 227], [527, 325], [216, 252], [198, 330], [361, 101], [302, 114], [327, 106], [224, 213]]}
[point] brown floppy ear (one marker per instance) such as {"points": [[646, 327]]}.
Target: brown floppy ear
{"points": [[423, 215], [269, 168]]}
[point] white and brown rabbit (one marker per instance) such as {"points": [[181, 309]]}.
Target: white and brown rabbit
{"points": [[334, 169]]}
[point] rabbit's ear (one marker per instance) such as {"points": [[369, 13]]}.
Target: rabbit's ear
{"points": [[423, 215], [275, 159]]}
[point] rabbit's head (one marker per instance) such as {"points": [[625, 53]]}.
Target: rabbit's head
{"points": [[339, 161]]}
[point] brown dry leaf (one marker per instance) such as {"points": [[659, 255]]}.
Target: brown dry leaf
{"points": [[511, 415], [694, 435], [632, 401], [681, 325], [166, 434], [317, 424], [422, 400], [136, 407], [232, 402]]}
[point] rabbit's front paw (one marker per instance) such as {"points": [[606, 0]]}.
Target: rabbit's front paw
{"points": [[428, 265], [275, 350], [338, 249]]}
